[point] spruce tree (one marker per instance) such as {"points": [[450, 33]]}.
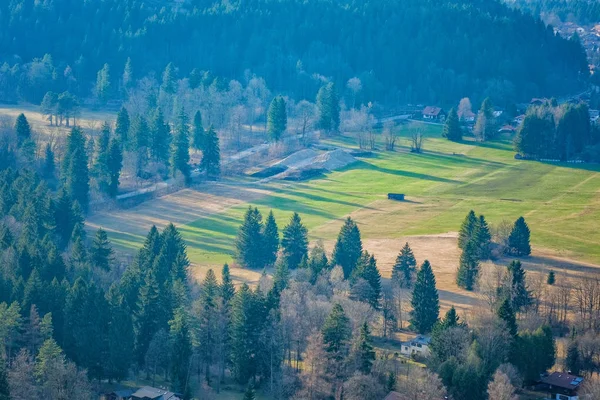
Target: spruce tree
{"points": [[75, 168], [227, 288], [115, 164], [403, 272], [294, 244], [122, 128], [249, 393], [276, 118], [348, 248], [101, 162], [247, 318], [270, 239], [507, 314], [180, 156], [169, 79], [551, 278], [573, 359], [467, 229], [425, 300], [180, 350], [483, 238], [249, 241], [49, 163], [518, 241], [336, 333], [211, 156], [145, 319], [161, 138], [367, 270], [4, 388], [198, 133], [468, 269], [141, 137], [328, 108], [520, 295], [365, 350], [22, 129], [101, 252], [452, 130]]}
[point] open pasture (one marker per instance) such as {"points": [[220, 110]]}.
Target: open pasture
{"points": [[561, 204]]}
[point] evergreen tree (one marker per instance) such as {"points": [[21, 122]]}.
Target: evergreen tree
{"points": [[483, 238], [390, 383], [452, 130], [348, 248], [367, 270], [425, 301], [467, 229], [207, 324], [520, 296], [101, 252], [276, 118], [468, 269], [336, 333], [211, 155], [49, 163], [518, 241], [403, 272], [249, 393], [180, 156], [180, 350], [294, 244], [115, 164], [145, 319], [507, 314], [4, 388], [103, 83], [101, 162], [75, 168], [270, 239], [22, 129], [365, 350], [161, 137], [127, 79], [198, 134], [169, 79], [120, 337], [573, 358], [328, 108], [551, 278], [141, 137], [122, 128], [227, 288], [249, 242], [317, 261]]}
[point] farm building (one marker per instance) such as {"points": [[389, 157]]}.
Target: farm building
{"points": [[561, 385], [436, 114]]}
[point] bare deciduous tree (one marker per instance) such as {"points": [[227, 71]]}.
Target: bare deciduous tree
{"points": [[416, 140], [421, 384], [500, 388]]}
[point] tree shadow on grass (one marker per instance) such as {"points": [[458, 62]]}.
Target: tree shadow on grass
{"points": [[313, 197], [406, 174]]}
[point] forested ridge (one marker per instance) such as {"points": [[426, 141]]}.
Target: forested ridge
{"points": [[402, 51], [582, 11]]}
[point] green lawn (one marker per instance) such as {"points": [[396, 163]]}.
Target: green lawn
{"points": [[561, 203]]}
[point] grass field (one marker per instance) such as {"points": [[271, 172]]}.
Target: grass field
{"points": [[561, 204]]}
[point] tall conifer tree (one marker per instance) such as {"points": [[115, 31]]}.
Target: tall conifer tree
{"points": [[270, 239], [211, 156], [348, 247], [404, 270], [425, 300], [294, 244]]}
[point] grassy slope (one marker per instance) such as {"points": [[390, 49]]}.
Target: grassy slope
{"points": [[561, 203]]}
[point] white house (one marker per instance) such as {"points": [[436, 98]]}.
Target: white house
{"points": [[417, 346]]}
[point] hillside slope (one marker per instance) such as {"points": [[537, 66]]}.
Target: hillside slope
{"points": [[402, 50]]}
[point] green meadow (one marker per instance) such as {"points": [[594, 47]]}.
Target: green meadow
{"points": [[560, 202]]}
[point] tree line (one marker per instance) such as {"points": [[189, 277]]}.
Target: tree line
{"points": [[41, 54]]}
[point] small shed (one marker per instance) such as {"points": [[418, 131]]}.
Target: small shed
{"points": [[396, 196]]}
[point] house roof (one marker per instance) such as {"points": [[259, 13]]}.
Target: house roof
{"points": [[563, 380], [123, 393], [507, 128], [432, 111], [394, 396], [151, 393]]}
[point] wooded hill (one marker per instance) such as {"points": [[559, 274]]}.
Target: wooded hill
{"points": [[402, 50]]}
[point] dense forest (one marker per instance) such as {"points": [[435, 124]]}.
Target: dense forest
{"points": [[581, 11], [402, 51]]}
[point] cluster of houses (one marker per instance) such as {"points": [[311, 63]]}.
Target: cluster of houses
{"points": [[506, 124], [143, 393], [589, 36]]}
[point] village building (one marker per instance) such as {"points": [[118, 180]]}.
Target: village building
{"points": [[435, 114], [561, 386], [143, 393], [419, 346]]}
